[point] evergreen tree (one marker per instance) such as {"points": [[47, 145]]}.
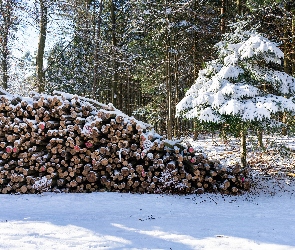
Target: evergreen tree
{"points": [[240, 88]]}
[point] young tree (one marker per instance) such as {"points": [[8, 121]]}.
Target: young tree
{"points": [[240, 88]]}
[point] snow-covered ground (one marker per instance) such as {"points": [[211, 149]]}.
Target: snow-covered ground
{"points": [[134, 221], [278, 154], [261, 219]]}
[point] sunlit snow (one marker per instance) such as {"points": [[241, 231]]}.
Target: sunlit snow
{"points": [[149, 221], [259, 45]]}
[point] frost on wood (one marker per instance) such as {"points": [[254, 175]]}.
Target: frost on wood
{"points": [[66, 143], [234, 84]]}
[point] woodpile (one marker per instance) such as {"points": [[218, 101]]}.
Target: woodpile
{"points": [[66, 143]]}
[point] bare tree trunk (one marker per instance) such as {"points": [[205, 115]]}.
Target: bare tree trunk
{"points": [[176, 99], [195, 43], [128, 95], [240, 4], [259, 138], [114, 92], [169, 91], [97, 28], [196, 130], [41, 46], [222, 15], [168, 79], [287, 61], [6, 9], [243, 149], [195, 60], [5, 60]]}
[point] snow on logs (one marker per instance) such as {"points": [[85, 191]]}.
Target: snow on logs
{"points": [[66, 143]]}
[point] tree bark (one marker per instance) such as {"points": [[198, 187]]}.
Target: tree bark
{"points": [[169, 90], [115, 94], [287, 61], [168, 79], [259, 138], [222, 16], [176, 95], [41, 47], [6, 12], [240, 7], [5, 60], [243, 150], [96, 50]]}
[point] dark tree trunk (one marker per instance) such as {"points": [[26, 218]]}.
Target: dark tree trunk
{"points": [[287, 61], [114, 92], [259, 138], [5, 61], [96, 50], [168, 78], [243, 150], [240, 7], [222, 16], [41, 47], [6, 12]]}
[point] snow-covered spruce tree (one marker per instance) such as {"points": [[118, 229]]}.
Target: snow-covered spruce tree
{"points": [[241, 88]]}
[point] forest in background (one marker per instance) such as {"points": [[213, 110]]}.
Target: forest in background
{"points": [[142, 56]]}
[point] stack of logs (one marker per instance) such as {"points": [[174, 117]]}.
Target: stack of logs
{"points": [[66, 143]]}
